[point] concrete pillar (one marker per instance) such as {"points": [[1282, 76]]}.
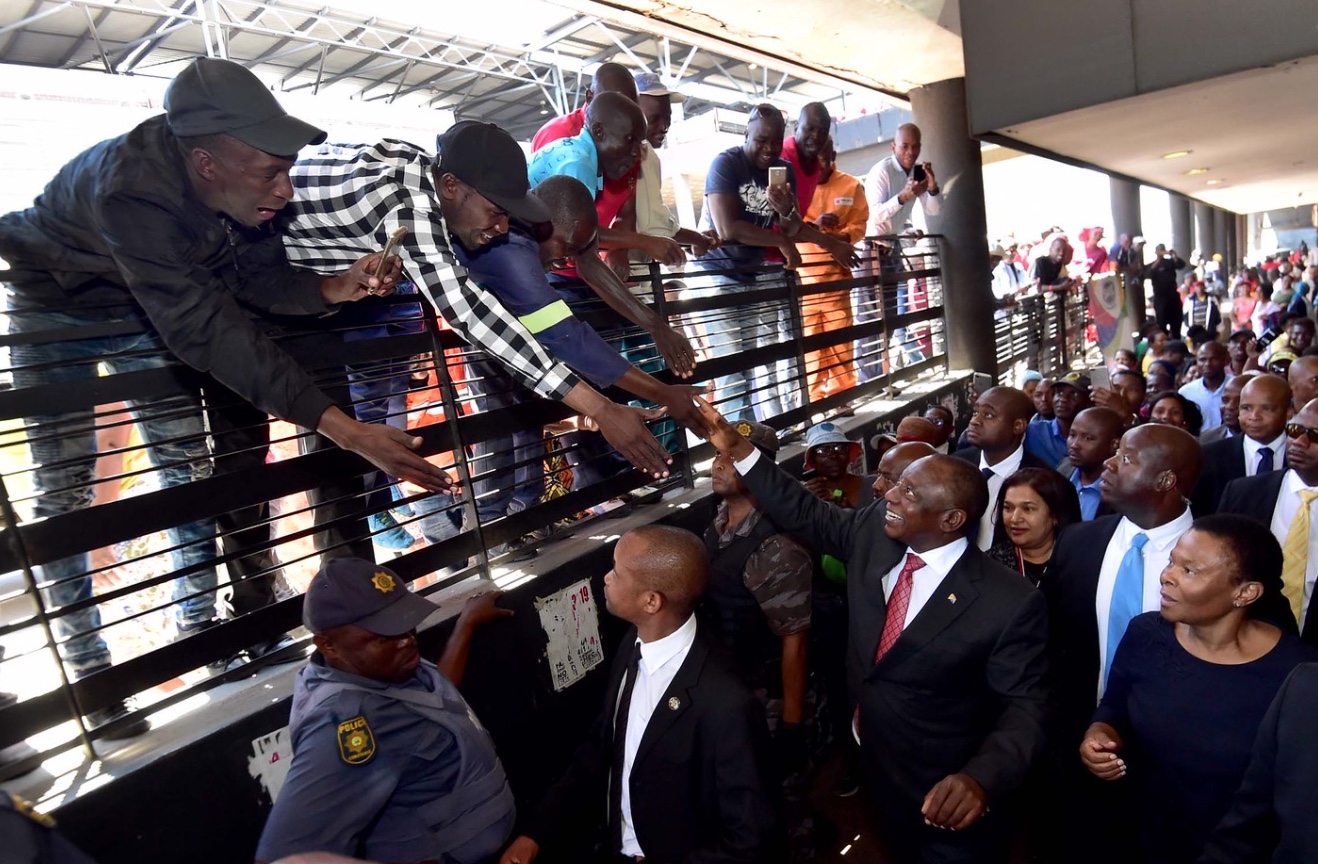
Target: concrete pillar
{"points": [[1242, 239], [1220, 217], [1182, 239], [1203, 229], [939, 110], [1128, 219]]}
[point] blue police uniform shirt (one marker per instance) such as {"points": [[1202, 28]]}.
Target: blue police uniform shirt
{"points": [[575, 157], [368, 809], [511, 270], [1044, 439]]}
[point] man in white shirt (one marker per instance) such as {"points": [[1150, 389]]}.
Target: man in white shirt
{"points": [[892, 187], [1102, 574], [1009, 279], [677, 758], [944, 645], [1265, 404], [1206, 390], [1284, 501]]}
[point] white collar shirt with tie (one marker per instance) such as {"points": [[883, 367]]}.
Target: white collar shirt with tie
{"points": [[1156, 553], [660, 661], [1283, 514], [999, 474], [1276, 445], [938, 563]]}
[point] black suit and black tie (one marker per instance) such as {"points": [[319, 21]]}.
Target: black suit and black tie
{"points": [[698, 789], [1224, 461], [960, 690], [972, 455]]}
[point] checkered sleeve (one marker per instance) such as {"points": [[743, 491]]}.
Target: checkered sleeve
{"points": [[351, 198]]}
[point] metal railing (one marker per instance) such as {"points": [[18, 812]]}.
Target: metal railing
{"points": [[138, 494], [1044, 332]]}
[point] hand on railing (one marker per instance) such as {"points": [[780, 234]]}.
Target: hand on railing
{"points": [[664, 250], [843, 252], [791, 258]]}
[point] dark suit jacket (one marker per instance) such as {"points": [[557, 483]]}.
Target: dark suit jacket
{"points": [[1224, 461], [962, 689], [699, 789], [1256, 497], [1271, 819], [1029, 460]]}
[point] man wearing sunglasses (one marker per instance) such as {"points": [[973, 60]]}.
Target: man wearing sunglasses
{"points": [[1284, 501]]}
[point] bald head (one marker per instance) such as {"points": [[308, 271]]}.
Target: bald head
{"points": [[1172, 449], [1014, 404], [672, 562], [900, 457], [1265, 403], [1303, 380], [917, 429], [568, 200], [617, 126], [1104, 421], [611, 78], [615, 112]]}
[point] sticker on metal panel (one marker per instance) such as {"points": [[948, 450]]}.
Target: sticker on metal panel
{"points": [[356, 741]]}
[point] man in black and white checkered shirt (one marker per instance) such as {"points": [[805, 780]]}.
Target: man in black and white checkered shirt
{"points": [[351, 198]]}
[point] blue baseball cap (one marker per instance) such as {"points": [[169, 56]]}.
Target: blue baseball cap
{"points": [[355, 591]]}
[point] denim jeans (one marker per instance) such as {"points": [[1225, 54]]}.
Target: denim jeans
{"points": [[512, 465], [63, 448], [765, 391]]}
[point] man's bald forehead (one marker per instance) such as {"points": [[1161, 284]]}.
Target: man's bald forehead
{"points": [[1268, 385], [899, 457], [1216, 348], [613, 78], [1308, 415], [616, 112], [813, 111], [1304, 365], [909, 131], [1169, 448], [1103, 421]]}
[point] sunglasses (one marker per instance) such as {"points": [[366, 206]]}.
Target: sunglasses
{"points": [[1295, 430], [831, 449]]}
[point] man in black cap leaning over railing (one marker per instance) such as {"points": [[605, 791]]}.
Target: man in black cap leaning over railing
{"points": [[172, 226]]}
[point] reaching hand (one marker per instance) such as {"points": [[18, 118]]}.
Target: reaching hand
{"points": [[676, 350], [956, 803], [357, 281], [664, 250], [625, 430], [723, 435], [843, 253], [791, 258], [393, 452], [679, 401]]}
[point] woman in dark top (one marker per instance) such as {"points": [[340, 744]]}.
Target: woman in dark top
{"points": [[1034, 505], [1190, 685], [1172, 409]]}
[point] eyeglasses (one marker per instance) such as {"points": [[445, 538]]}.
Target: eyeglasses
{"points": [[1295, 430], [831, 449]]}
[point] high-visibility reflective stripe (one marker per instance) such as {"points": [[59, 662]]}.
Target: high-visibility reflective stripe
{"points": [[546, 316]]}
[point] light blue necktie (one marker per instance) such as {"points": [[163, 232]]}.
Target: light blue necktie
{"points": [[1127, 598]]}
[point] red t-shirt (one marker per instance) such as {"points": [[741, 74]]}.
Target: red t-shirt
{"points": [[805, 183]]}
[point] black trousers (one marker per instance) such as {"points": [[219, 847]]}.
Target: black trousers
{"points": [[1167, 311]]}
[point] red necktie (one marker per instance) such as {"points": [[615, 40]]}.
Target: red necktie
{"points": [[898, 603]]}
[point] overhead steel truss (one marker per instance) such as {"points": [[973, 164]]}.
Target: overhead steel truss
{"points": [[311, 47]]}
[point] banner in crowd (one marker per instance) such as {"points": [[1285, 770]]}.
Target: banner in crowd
{"points": [[1111, 315]]}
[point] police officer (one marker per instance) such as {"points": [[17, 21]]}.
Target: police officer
{"points": [[389, 762]]}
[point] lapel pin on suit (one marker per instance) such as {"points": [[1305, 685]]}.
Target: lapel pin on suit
{"points": [[951, 598], [674, 703]]}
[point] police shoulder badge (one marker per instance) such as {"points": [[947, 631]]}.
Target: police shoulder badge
{"points": [[356, 741], [743, 428], [383, 582]]}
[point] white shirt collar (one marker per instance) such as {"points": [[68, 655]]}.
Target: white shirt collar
{"points": [[1008, 466], [1253, 447], [1162, 537], [1293, 485], [942, 559], [657, 653]]}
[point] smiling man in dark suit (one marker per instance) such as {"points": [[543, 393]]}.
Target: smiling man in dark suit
{"points": [[677, 757], [1265, 404], [946, 651]]}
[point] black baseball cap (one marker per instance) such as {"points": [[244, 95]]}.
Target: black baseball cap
{"points": [[488, 160], [356, 591], [214, 96]]}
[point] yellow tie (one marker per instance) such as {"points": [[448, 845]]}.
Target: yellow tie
{"points": [[1296, 554]]}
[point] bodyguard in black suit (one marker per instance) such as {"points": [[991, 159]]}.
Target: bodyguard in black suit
{"points": [[996, 432], [950, 694], [1145, 482], [1272, 819], [694, 775], [1264, 406]]}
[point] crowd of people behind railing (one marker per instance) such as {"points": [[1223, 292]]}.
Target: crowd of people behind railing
{"points": [[173, 244]]}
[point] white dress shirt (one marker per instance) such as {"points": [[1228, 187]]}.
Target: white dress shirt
{"points": [[1209, 401], [883, 184], [1157, 552], [1008, 279], [925, 581], [660, 661], [1276, 445], [1001, 472], [1283, 514]]}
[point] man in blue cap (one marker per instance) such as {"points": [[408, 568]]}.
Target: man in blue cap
{"points": [[389, 762]]}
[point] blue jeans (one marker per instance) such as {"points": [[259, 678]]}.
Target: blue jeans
{"points": [[765, 391], [64, 449]]}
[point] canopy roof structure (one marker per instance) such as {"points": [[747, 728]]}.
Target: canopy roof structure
{"points": [[510, 62]]}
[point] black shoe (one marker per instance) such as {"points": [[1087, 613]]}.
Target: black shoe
{"points": [[109, 714], [184, 630], [266, 654]]}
